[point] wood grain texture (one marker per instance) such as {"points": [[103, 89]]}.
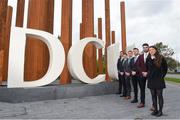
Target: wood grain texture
{"points": [[66, 37], [40, 14], [123, 26]]}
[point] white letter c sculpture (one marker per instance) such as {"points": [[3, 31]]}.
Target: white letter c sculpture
{"points": [[75, 60]]}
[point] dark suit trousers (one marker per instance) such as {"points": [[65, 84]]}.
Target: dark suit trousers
{"points": [[124, 85], [120, 83], [128, 85], [135, 86], [142, 85]]}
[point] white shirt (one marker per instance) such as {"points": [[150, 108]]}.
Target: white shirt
{"points": [[135, 58], [145, 56]]}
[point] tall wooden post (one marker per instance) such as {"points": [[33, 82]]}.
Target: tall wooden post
{"points": [[1, 65], [107, 28], [20, 13], [3, 14], [100, 60], [113, 37], [88, 31], [81, 31], [123, 26], [66, 36], [37, 55], [7, 41]]}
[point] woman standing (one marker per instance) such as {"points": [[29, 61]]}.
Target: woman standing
{"points": [[157, 69]]}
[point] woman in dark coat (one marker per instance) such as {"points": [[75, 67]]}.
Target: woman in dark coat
{"points": [[157, 69]]}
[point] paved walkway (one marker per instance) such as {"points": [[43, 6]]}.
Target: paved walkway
{"points": [[96, 107], [173, 75]]}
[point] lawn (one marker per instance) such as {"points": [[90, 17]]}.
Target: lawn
{"points": [[177, 80]]}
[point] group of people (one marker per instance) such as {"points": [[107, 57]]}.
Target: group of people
{"points": [[135, 69]]}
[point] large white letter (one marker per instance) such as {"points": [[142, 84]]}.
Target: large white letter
{"points": [[112, 58], [17, 56], [75, 63]]}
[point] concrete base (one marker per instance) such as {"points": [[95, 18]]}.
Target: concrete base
{"points": [[53, 92]]}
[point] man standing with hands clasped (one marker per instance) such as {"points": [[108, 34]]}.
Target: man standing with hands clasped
{"points": [[135, 74], [142, 69]]}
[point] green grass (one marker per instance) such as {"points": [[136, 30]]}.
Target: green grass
{"points": [[177, 80]]}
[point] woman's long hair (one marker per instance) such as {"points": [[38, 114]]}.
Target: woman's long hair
{"points": [[158, 57]]}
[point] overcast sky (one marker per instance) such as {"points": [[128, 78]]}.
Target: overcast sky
{"points": [[148, 21]]}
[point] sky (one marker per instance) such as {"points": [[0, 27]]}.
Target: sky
{"points": [[149, 21]]}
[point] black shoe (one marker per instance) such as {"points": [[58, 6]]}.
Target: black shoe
{"points": [[155, 112], [134, 101], [159, 114], [118, 93]]}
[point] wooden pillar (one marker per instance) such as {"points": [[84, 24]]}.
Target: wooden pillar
{"points": [[66, 36], [3, 14], [7, 41], [81, 31], [37, 54], [89, 60], [1, 65], [20, 13], [113, 37], [100, 60], [107, 29], [123, 26]]}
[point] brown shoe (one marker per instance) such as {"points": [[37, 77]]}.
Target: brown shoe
{"points": [[141, 105], [152, 108], [128, 97]]}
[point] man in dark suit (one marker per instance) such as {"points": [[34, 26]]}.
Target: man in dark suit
{"points": [[141, 66], [127, 70], [122, 74], [135, 74], [120, 69]]}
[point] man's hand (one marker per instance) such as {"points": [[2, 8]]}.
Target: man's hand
{"points": [[121, 73], [127, 74], [133, 73], [144, 74]]}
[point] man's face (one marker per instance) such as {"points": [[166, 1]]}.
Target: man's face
{"points": [[136, 52], [124, 56], [130, 54], [121, 54], [145, 49]]}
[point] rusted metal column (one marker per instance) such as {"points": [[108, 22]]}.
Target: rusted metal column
{"points": [[37, 54], [6, 43], [100, 60], [20, 13], [107, 28], [66, 36], [123, 26], [88, 31], [113, 37]]}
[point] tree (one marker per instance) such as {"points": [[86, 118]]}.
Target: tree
{"points": [[167, 53], [164, 49]]}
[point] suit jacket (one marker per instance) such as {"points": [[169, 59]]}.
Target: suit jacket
{"points": [[134, 65], [127, 67], [120, 66], [141, 65]]}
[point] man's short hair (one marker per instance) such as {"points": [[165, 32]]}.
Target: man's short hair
{"points": [[135, 49], [130, 51], [125, 54], [145, 44]]}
